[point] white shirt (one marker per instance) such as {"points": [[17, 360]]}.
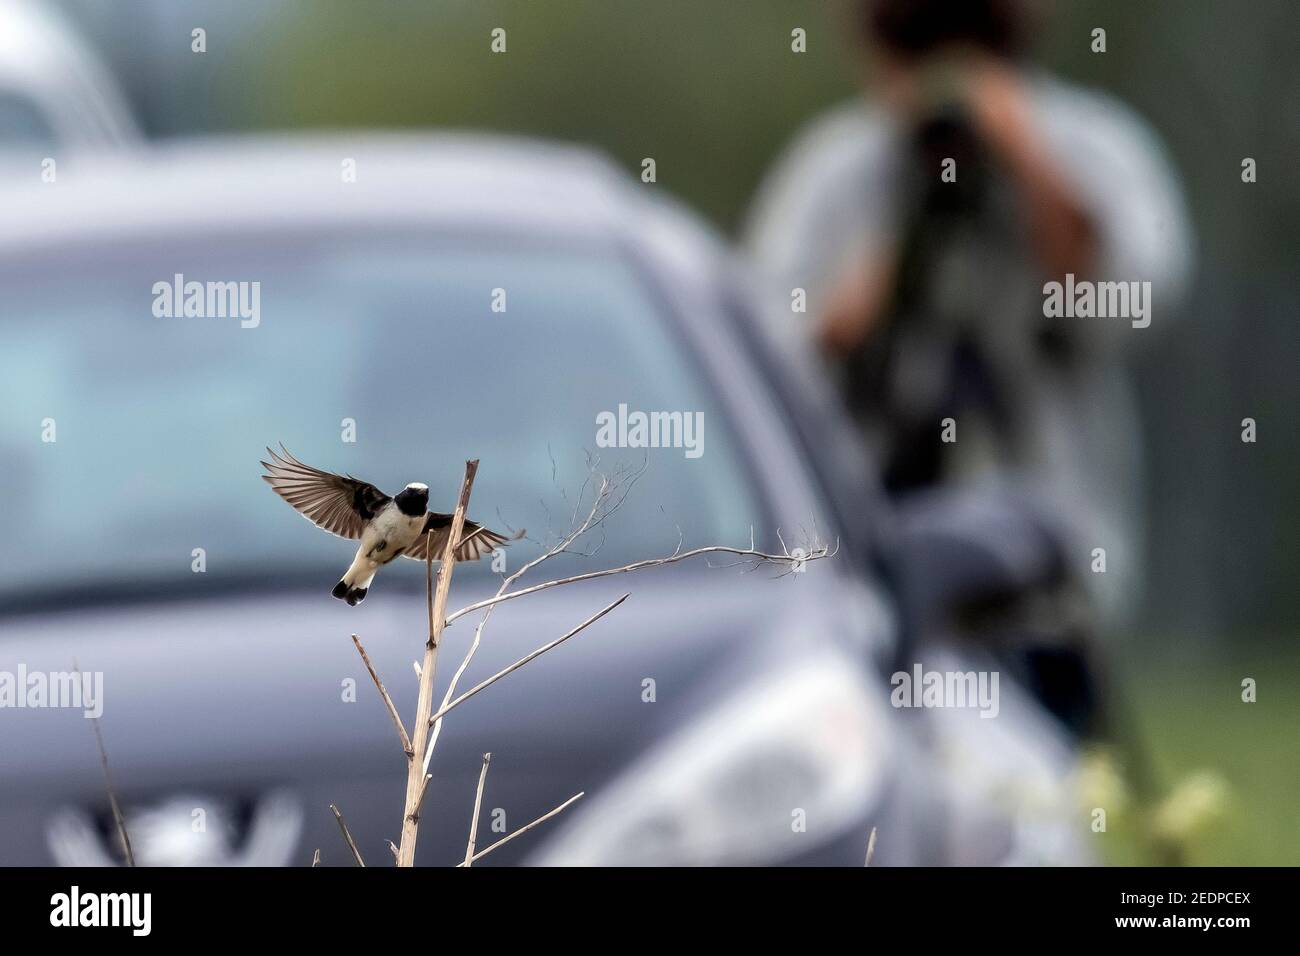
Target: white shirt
{"points": [[831, 198]]}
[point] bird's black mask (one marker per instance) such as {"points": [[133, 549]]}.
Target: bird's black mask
{"points": [[412, 501]]}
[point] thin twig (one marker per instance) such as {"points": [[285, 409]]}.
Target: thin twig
{"points": [[814, 555], [607, 499], [315, 859], [871, 846], [119, 821], [428, 579], [522, 830], [393, 848], [510, 579], [442, 712], [428, 724], [478, 805], [388, 701], [424, 788], [598, 513], [352, 844]]}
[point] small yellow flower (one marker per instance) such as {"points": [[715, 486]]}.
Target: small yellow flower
{"points": [[1100, 782], [1195, 804]]}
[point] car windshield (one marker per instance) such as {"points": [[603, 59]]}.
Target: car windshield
{"points": [[132, 439]]}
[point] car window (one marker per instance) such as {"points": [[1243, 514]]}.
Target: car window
{"points": [[130, 439]]}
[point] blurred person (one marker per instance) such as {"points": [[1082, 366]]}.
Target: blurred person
{"points": [[925, 292]]}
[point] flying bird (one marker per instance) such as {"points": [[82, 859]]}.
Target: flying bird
{"points": [[386, 526]]}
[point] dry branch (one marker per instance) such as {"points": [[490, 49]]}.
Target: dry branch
{"points": [[607, 499], [522, 830], [442, 711], [119, 821], [352, 844], [388, 701], [478, 806], [416, 779], [428, 723], [759, 556], [599, 510]]}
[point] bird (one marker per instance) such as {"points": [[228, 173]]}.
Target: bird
{"points": [[387, 526]]}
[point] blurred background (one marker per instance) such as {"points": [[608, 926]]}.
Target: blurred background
{"points": [[712, 92]]}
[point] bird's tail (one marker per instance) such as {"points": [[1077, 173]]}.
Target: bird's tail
{"points": [[353, 596], [354, 584]]}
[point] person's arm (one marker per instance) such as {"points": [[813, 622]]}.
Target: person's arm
{"points": [[1061, 229], [857, 302], [818, 219]]}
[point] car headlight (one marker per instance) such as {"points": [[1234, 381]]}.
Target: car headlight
{"points": [[776, 770]]}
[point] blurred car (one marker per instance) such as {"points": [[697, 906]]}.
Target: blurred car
{"points": [[423, 300], [55, 91]]}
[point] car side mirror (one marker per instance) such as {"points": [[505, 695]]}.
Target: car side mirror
{"points": [[956, 552], [992, 567]]}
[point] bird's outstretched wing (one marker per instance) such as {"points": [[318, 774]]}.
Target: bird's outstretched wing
{"points": [[340, 504], [471, 548]]}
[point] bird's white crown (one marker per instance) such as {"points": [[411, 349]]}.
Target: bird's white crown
{"points": [[418, 486]]}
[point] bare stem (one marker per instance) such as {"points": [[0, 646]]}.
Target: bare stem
{"points": [[424, 788], [416, 780], [119, 821], [428, 578], [478, 805], [606, 499], [510, 579], [760, 556], [388, 701], [352, 844], [522, 830], [442, 711], [871, 846]]}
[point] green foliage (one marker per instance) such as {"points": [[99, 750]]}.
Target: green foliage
{"points": [[1191, 719], [710, 90]]}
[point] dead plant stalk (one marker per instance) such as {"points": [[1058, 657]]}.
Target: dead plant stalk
{"points": [[416, 778]]}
